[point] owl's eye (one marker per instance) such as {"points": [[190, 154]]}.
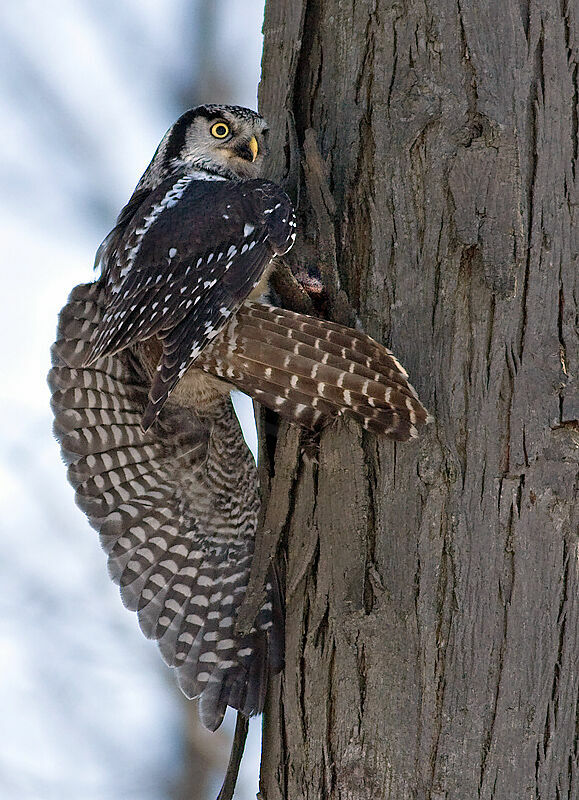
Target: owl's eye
{"points": [[220, 130]]}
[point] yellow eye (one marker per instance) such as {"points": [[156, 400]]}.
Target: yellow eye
{"points": [[220, 130]]}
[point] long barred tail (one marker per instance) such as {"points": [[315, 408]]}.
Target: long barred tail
{"points": [[176, 508], [310, 371]]}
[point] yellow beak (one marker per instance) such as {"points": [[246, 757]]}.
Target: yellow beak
{"points": [[253, 147]]}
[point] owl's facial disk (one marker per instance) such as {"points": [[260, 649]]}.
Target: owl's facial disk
{"points": [[227, 141]]}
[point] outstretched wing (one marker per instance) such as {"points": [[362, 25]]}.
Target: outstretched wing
{"points": [[191, 254], [176, 509]]}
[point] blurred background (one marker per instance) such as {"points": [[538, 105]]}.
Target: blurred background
{"points": [[87, 89]]}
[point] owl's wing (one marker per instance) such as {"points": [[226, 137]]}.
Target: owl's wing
{"points": [[176, 509], [191, 254]]}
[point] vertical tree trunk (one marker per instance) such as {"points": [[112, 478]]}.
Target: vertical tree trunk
{"points": [[432, 587]]}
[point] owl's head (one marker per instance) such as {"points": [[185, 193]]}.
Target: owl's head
{"points": [[228, 141]]}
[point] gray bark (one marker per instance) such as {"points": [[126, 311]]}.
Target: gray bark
{"points": [[431, 588]]}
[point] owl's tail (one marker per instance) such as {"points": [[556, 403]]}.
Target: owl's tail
{"points": [[310, 371]]}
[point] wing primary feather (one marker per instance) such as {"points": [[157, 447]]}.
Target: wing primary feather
{"points": [[176, 508]]}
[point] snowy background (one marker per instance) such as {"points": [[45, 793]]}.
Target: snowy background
{"points": [[87, 89]]}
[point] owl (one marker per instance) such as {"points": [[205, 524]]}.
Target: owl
{"points": [[143, 366]]}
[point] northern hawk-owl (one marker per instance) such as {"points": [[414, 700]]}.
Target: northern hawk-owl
{"points": [[143, 365]]}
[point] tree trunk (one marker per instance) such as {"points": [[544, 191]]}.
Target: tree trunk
{"points": [[432, 587]]}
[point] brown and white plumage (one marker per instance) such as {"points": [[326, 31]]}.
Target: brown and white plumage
{"points": [[311, 370], [142, 368], [176, 509], [189, 248]]}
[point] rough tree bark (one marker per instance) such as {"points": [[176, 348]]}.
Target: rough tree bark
{"points": [[432, 608]]}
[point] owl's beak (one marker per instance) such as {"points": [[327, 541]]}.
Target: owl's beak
{"points": [[248, 150], [253, 147]]}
